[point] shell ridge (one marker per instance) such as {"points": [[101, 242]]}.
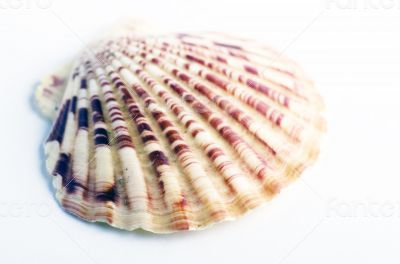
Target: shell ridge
{"points": [[209, 146]]}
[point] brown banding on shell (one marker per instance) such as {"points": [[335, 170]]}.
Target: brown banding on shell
{"points": [[177, 132]]}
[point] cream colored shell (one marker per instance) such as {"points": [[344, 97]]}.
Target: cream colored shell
{"points": [[177, 132]]}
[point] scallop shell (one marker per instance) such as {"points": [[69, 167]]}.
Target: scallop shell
{"points": [[177, 132]]}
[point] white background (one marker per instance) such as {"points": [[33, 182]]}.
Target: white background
{"points": [[345, 209]]}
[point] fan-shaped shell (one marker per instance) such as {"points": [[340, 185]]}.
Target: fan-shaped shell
{"points": [[177, 132]]}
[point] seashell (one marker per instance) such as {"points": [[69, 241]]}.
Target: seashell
{"points": [[177, 131]]}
